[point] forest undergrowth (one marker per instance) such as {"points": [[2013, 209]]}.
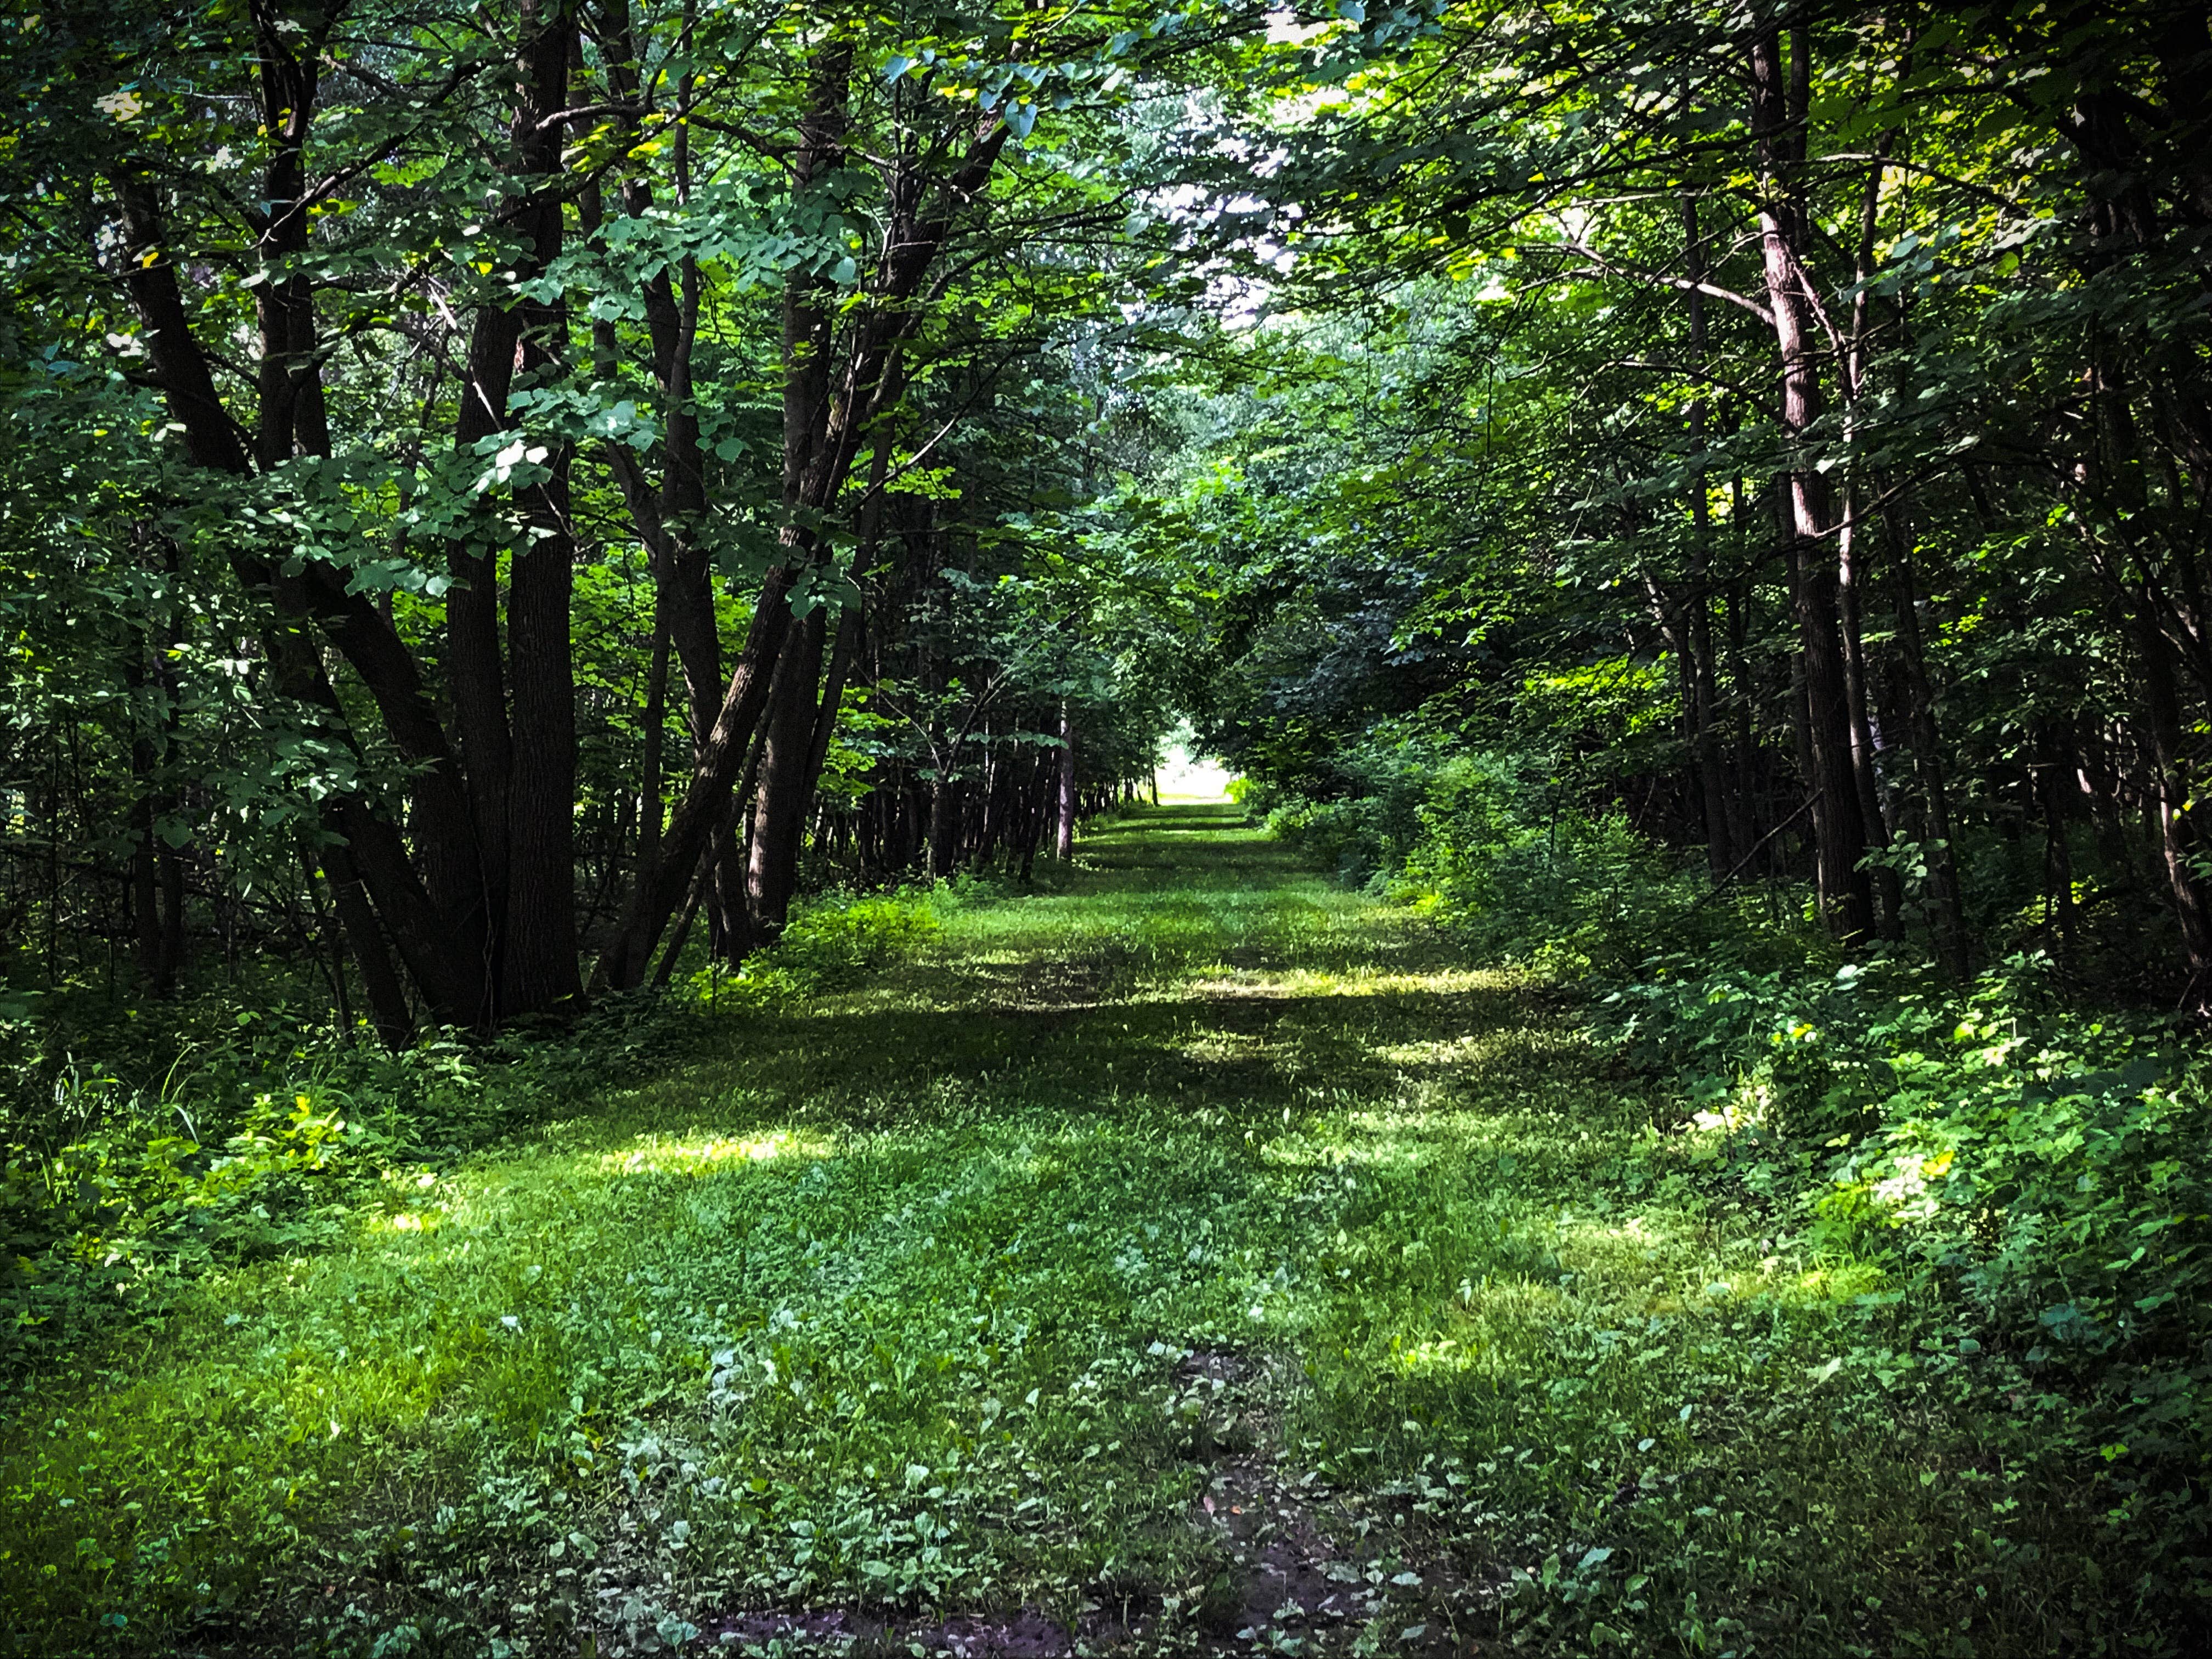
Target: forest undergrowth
{"points": [[1195, 1257]]}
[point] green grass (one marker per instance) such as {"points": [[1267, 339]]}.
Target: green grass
{"points": [[888, 1306]]}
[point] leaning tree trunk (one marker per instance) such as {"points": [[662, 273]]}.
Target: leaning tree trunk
{"points": [[1778, 111]]}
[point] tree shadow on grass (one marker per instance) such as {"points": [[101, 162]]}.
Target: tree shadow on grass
{"points": [[1074, 1047]]}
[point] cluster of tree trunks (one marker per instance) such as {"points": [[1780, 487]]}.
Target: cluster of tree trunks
{"points": [[1870, 765], [456, 892], [460, 902]]}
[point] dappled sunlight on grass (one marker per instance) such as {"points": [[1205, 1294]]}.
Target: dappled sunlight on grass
{"points": [[1467, 1050], [662, 1155], [884, 1301], [1355, 980]]}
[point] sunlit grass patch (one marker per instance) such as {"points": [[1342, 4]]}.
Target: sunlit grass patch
{"points": [[1469, 1049], [686, 1155]]}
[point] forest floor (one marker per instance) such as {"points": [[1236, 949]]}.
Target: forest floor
{"points": [[1193, 1258]]}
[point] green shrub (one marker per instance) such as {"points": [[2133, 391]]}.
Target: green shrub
{"points": [[2038, 1171], [1505, 856], [1397, 791], [842, 934], [254, 1139], [832, 938]]}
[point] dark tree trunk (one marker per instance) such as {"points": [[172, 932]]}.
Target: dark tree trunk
{"points": [[786, 785], [387, 997], [522, 776], [1064, 845], [157, 874], [652, 809], [2053, 799], [1778, 106], [538, 966], [946, 799], [1041, 785], [841, 656], [1947, 903], [986, 808], [1888, 892]]}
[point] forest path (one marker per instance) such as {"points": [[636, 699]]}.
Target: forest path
{"points": [[1193, 1257]]}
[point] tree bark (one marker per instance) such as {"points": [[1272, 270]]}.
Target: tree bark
{"points": [[786, 785], [387, 997], [699, 813], [1780, 98], [1064, 845], [524, 784]]}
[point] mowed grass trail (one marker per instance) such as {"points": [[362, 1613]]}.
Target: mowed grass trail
{"points": [[1194, 1258]]}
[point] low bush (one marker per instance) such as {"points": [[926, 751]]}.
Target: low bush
{"points": [[1500, 852], [2039, 1168], [841, 935], [221, 1136]]}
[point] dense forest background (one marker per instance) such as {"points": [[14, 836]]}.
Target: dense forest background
{"points": [[1773, 433], [518, 520]]}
